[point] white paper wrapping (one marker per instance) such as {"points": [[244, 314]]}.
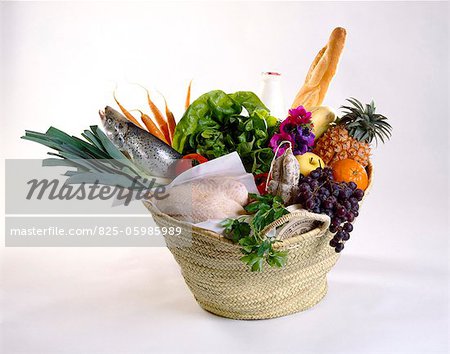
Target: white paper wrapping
{"points": [[225, 166]]}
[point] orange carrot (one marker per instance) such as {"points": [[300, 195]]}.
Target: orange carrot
{"points": [[151, 126], [126, 113], [188, 96], [160, 121], [170, 121]]}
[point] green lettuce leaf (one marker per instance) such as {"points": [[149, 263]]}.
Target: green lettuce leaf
{"points": [[215, 125]]}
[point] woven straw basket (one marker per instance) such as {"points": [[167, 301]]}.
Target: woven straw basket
{"points": [[225, 286]]}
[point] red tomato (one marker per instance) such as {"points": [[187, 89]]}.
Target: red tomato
{"points": [[188, 161], [261, 182], [196, 157]]}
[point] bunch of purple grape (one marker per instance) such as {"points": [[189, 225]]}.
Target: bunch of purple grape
{"points": [[320, 193]]}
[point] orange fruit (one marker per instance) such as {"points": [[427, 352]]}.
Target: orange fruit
{"points": [[349, 170]]}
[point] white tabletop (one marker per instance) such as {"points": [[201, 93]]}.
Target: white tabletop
{"points": [[113, 300]]}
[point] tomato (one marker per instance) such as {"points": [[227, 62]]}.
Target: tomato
{"points": [[199, 159], [261, 182], [188, 161]]}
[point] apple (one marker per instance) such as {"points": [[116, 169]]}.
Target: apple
{"points": [[309, 162]]}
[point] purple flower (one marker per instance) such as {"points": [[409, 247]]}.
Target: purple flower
{"points": [[299, 149], [288, 126], [305, 135], [296, 128], [303, 141], [300, 115], [277, 139]]}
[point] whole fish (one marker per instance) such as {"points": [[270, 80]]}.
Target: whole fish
{"points": [[147, 151]]}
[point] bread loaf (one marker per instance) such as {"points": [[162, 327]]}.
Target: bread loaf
{"points": [[321, 72]]}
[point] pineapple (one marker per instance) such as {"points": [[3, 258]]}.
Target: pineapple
{"points": [[351, 135]]}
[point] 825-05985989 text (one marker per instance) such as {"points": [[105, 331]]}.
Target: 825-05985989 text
{"points": [[97, 231]]}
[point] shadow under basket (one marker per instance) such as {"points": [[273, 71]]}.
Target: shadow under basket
{"points": [[223, 285]]}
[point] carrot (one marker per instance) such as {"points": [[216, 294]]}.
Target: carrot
{"points": [[170, 121], [151, 126], [126, 113], [160, 121], [188, 96]]}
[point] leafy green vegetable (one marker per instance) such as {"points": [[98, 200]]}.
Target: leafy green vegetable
{"points": [[96, 159], [255, 246], [214, 126]]}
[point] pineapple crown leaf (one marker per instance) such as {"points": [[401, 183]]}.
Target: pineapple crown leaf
{"points": [[363, 123]]}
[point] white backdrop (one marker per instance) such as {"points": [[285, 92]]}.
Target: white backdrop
{"points": [[388, 293]]}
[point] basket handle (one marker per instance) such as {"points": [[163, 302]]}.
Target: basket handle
{"points": [[299, 222]]}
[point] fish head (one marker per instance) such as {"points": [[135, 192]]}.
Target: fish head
{"points": [[115, 124]]}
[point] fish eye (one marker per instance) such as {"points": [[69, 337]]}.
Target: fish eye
{"points": [[109, 121]]}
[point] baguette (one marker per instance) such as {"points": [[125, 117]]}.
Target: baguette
{"points": [[321, 72]]}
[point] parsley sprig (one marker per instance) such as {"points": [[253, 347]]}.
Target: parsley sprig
{"points": [[247, 232]]}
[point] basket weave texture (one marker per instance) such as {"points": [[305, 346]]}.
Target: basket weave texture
{"points": [[223, 285]]}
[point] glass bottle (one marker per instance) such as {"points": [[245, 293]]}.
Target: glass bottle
{"points": [[271, 94]]}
